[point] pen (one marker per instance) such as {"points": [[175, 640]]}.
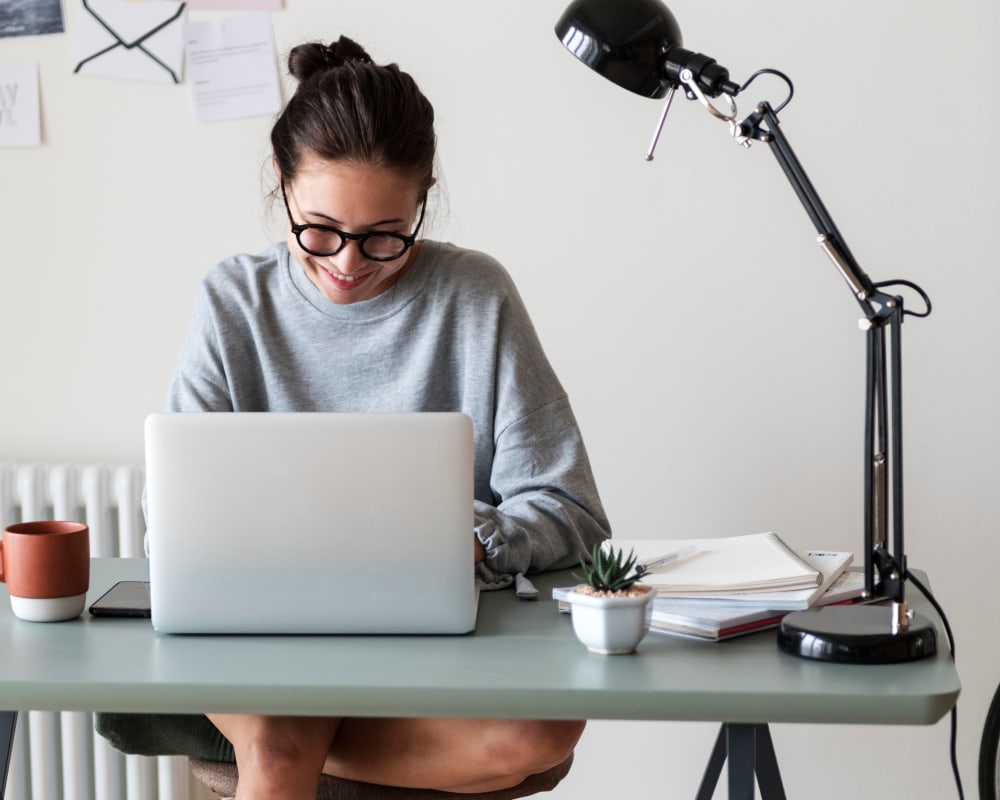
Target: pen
{"points": [[655, 564], [524, 588]]}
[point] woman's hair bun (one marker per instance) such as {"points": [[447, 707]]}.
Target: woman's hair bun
{"points": [[306, 60]]}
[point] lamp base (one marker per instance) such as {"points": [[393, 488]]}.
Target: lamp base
{"points": [[855, 634]]}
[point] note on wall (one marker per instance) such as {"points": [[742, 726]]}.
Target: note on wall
{"points": [[232, 68], [138, 41], [20, 124], [30, 17]]}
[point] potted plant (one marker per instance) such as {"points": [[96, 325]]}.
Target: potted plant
{"points": [[611, 609]]}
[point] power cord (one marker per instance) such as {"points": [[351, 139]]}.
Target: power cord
{"points": [[951, 646], [923, 296], [779, 74]]}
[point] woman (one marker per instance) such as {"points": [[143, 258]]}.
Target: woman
{"points": [[353, 313]]}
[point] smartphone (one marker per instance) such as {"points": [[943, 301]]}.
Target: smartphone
{"points": [[124, 599]]}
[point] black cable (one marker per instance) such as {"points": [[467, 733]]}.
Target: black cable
{"points": [[951, 646], [910, 284], [988, 750], [782, 75]]}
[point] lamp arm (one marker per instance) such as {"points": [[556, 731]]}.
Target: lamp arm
{"points": [[885, 568], [763, 125]]}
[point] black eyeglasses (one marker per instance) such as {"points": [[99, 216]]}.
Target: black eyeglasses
{"points": [[325, 240]]}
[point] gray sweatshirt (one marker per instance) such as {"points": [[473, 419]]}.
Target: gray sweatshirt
{"points": [[451, 335]]}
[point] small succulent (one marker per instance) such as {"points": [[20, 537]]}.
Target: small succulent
{"points": [[609, 570]]}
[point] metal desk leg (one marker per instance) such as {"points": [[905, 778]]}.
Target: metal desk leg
{"points": [[715, 761], [768, 776], [8, 720], [750, 752], [740, 746]]}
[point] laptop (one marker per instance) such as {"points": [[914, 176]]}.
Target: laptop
{"points": [[310, 523]]}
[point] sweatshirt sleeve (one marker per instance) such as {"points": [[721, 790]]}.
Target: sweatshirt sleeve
{"points": [[543, 510], [548, 512]]}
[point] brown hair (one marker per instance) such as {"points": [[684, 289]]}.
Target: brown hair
{"points": [[347, 108]]}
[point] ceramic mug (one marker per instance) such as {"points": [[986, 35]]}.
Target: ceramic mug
{"points": [[46, 566]]}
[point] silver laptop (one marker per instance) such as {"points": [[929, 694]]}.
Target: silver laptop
{"points": [[310, 523]]}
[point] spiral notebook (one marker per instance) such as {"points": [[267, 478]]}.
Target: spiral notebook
{"points": [[757, 562]]}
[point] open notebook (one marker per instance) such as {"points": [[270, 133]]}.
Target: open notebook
{"points": [[757, 562], [311, 523]]}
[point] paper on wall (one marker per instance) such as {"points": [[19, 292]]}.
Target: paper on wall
{"points": [[30, 17], [232, 68], [20, 124], [138, 41]]}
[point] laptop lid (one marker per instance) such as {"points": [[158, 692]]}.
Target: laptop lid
{"points": [[310, 522]]}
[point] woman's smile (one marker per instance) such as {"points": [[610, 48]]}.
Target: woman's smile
{"points": [[344, 282], [357, 199]]}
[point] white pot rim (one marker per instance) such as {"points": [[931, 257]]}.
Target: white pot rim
{"points": [[583, 599]]}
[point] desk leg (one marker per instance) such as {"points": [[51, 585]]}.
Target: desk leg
{"points": [[8, 719], [768, 776], [742, 751], [714, 768], [750, 752]]}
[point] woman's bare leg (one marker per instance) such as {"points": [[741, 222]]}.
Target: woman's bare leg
{"points": [[282, 757], [278, 758], [456, 755]]}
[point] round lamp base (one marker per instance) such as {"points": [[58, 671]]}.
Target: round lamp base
{"points": [[855, 634]]}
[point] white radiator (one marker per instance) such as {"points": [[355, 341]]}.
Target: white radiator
{"points": [[57, 755]]}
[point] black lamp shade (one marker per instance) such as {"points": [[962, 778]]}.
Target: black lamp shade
{"points": [[637, 44], [626, 41]]}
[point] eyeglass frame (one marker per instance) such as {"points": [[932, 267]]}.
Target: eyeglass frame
{"points": [[408, 239]]}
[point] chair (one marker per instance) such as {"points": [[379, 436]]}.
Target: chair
{"points": [[221, 778], [989, 752]]}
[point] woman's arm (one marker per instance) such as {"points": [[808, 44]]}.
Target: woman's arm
{"points": [[548, 511]]}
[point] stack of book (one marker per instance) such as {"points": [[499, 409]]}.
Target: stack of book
{"points": [[720, 588]]}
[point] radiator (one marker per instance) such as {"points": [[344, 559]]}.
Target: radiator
{"points": [[57, 755]]}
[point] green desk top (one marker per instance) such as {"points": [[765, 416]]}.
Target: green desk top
{"points": [[523, 661]]}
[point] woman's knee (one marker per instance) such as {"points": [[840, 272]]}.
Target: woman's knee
{"points": [[527, 747], [275, 744]]}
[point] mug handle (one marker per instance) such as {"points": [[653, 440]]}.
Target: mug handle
{"points": [[3, 578]]}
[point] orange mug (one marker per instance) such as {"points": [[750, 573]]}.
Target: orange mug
{"points": [[46, 566]]}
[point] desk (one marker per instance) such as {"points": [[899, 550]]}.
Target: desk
{"points": [[522, 662]]}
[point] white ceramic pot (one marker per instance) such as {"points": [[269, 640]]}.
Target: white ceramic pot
{"points": [[611, 625]]}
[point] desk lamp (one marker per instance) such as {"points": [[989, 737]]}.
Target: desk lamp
{"points": [[637, 44]]}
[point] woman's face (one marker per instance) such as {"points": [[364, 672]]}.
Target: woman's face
{"points": [[356, 199]]}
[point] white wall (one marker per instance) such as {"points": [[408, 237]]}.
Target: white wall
{"points": [[711, 350]]}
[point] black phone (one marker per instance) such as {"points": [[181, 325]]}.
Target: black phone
{"points": [[124, 599]]}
